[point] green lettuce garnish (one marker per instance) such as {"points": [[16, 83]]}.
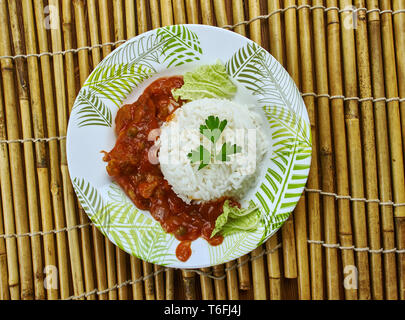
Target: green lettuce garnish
{"points": [[209, 81], [234, 219]]}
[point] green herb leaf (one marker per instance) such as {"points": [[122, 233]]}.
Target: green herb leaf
{"points": [[213, 128], [208, 81], [234, 220], [200, 154], [228, 150]]}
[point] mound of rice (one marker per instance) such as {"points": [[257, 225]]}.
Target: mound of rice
{"points": [[181, 135]]}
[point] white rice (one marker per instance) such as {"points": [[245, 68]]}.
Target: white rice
{"points": [[181, 135]]}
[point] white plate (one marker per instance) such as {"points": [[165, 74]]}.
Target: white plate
{"points": [[123, 75]]}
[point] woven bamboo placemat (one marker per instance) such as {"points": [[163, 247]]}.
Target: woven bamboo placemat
{"points": [[346, 238]]}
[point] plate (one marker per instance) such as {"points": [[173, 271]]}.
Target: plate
{"points": [[124, 74]]}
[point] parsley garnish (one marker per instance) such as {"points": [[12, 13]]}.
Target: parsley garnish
{"points": [[212, 130]]}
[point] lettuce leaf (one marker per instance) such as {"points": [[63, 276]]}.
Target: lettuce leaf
{"points": [[208, 81], [234, 220]]}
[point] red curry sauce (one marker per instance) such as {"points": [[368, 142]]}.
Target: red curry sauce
{"points": [[143, 181]]}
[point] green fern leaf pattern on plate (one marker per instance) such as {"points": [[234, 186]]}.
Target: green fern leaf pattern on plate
{"points": [[93, 111], [291, 147], [144, 237], [146, 50], [243, 67], [116, 76], [260, 73], [181, 45], [115, 82], [130, 229], [91, 201]]}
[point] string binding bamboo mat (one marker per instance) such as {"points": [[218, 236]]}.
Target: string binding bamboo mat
{"points": [[346, 238]]}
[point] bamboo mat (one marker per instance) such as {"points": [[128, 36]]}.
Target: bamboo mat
{"points": [[346, 238]]}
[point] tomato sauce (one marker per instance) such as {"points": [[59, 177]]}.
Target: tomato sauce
{"points": [[142, 180]]}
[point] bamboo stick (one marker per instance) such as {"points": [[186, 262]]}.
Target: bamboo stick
{"points": [[370, 161], [159, 282], [304, 291], [273, 268], [192, 11], [94, 31], [118, 13], [220, 13], [276, 49], [399, 31], [207, 292], [276, 33], [71, 96], [244, 273], [255, 29], [400, 47], [4, 291], [136, 272], [206, 12], [67, 28], [238, 16], [130, 18], [258, 274], [383, 158], [287, 231], [16, 166], [169, 284], [179, 12], [109, 246], [33, 208], [399, 23], [166, 11], [189, 284], [232, 281], [105, 26], [141, 15], [148, 281], [98, 238], [122, 273], [313, 199], [155, 13], [354, 151], [336, 88], [9, 272], [219, 284], [397, 161]]}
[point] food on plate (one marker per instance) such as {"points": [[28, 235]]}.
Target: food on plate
{"points": [[190, 136], [208, 81], [187, 154]]}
